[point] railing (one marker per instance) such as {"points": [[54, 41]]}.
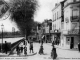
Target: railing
{"points": [[75, 31], [74, 18]]}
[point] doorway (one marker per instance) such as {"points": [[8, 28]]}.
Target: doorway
{"points": [[72, 43]]}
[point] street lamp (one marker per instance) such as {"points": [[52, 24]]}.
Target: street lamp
{"points": [[2, 26]]}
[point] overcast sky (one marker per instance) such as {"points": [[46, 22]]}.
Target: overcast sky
{"points": [[42, 12]]}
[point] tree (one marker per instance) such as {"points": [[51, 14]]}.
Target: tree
{"points": [[22, 12]]}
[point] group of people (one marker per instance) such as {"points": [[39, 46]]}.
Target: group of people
{"points": [[53, 52], [21, 49]]}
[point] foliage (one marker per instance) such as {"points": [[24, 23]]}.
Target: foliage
{"points": [[22, 12]]}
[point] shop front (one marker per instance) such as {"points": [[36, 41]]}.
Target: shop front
{"points": [[56, 37], [70, 40]]}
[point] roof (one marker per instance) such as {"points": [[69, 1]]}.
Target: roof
{"points": [[62, 2]]}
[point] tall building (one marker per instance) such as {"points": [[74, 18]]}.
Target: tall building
{"points": [[70, 33], [57, 22], [47, 24]]}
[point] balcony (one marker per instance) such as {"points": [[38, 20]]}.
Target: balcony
{"points": [[74, 32], [74, 18]]}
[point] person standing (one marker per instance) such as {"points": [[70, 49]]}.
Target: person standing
{"points": [[25, 50], [31, 47], [79, 47], [42, 42], [6, 47], [53, 44], [21, 49]]}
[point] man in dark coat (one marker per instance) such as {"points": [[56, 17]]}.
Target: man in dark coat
{"points": [[6, 47], [31, 47], [79, 47], [21, 49], [25, 51]]}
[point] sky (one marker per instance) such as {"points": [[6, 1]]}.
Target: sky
{"points": [[44, 11]]}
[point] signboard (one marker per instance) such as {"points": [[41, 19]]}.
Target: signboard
{"points": [[4, 7], [68, 40], [67, 20], [55, 30], [46, 29]]}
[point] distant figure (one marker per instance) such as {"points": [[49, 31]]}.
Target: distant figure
{"points": [[42, 42], [25, 51], [28, 41], [21, 49], [18, 50], [71, 45], [79, 47], [53, 53], [6, 47], [46, 41], [39, 41], [41, 50], [31, 47], [53, 43]]}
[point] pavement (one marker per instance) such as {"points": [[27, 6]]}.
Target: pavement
{"points": [[63, 54], [65, 48]]}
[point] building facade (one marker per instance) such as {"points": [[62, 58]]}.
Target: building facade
{"points": [[57, 22], [70, 32], [47, 26]]}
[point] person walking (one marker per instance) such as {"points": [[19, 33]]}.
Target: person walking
{"points": [[53, 53], [41, 50]]}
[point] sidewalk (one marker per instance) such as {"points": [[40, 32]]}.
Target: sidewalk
{"points": [[3, 54], [65, 48]]}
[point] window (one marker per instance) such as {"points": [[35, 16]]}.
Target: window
{"points": [[53, 26], [53, 17], [57, 15], [75, 14]]}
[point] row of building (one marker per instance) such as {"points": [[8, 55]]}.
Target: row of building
{"points": [[64, 27]]}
